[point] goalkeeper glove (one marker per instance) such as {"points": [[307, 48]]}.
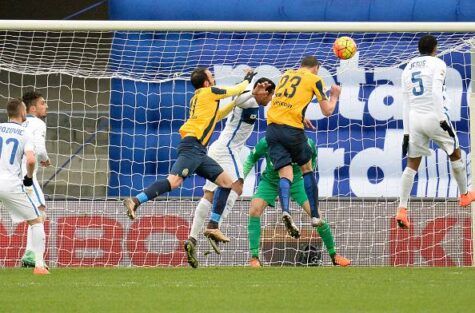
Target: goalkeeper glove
{"points": [[405, 145], [446, 127], [249, 76], [27, 181]]}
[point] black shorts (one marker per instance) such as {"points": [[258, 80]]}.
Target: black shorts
{"points": [[287, 145], [192, 158]]}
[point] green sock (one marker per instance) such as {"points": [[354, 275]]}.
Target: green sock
{"points": [[327, 237], [254, 235]]}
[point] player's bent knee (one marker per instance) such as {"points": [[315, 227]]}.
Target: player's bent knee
{"points": [[208, 195], [456, 155], [257, 207], [175, 181], [287, 172], [307, 167], [224, 180], [414, 163]]}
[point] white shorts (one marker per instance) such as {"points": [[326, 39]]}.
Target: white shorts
{"points": [[230, 162], [36, 194], [424, 128], [19, 205]]}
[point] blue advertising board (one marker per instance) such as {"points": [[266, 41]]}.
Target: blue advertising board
{"points": [[359, 146]]}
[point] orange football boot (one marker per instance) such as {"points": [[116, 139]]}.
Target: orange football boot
{"points": [[341, 261], [401, 218], [255, 262], [466, 199], [40, 271]]}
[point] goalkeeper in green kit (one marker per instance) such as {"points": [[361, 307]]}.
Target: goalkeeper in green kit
{"points": [[267, 192]]}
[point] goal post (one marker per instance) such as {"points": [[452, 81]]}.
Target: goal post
{"points": [[118, 91]]}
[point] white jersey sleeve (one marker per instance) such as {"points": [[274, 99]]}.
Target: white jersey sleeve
{"points": [[244, 100]]}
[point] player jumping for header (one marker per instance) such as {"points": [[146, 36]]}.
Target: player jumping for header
{"points": [[426, 118], [286, 137]]}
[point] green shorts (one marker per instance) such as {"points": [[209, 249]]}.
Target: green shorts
{"points": [[268, 191]]}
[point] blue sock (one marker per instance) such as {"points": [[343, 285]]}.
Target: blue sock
{"points": [[219, 203], [311, 189], [142, 197], [284, 194], [154, 190]]}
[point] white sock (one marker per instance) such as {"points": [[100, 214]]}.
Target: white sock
{"points": [[407, 180], [28, 239], [201, 212], [460, 174], [229, 205], [38, 239]]}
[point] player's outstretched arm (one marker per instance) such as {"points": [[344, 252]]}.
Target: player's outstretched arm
{"points": [[224, 111], [225, 92], [258, 152], [328, 106], [259, 89]]}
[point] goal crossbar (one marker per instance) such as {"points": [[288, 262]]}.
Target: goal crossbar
{"points": [[41, 25]]}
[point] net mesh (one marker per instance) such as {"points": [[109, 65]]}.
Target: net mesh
{"points": [[117, 99]]}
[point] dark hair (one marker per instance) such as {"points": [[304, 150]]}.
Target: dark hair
{"points": [[309, 61], [269, 89], [198, 77], [13, 107], [427, 44], [30, 97]]}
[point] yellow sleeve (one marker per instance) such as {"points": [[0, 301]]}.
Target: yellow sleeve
{"points": [[223, 112], [225, 92], [318, 89]]}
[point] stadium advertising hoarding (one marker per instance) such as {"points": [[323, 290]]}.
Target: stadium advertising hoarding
{"points": [[359, 146], [97, 233]]}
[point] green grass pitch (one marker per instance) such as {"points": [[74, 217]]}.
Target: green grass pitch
{"points": [[239, 289]]}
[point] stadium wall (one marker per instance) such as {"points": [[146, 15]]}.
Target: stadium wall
{"points": [[295, 10]]}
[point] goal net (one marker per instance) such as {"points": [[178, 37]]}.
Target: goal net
{"points": [[116, 99]]}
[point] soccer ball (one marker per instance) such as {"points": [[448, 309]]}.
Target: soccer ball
{"points": [[344, 48]]}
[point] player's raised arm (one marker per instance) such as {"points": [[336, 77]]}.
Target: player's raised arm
{"points": [[327, 105], [258, 152], [225, 92], [260, 89]]}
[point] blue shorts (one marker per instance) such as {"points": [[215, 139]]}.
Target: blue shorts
{"points": [[192, 158], [287, 145]]}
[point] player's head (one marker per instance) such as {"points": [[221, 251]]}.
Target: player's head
{"points": [[16, 110], [35, 103], [428, 45], [310, 62], [264, 99], [202, 77]]}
